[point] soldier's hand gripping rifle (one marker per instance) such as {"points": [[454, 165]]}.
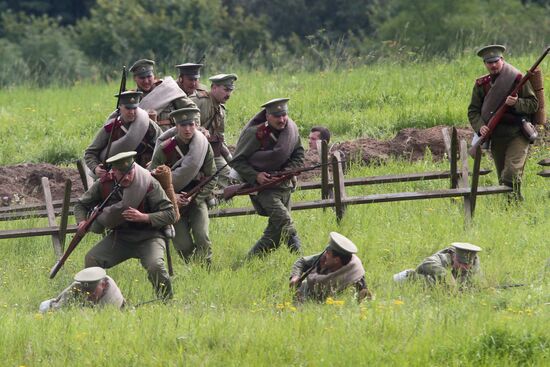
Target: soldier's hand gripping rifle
{"points": [[277, 178], [503, 108], [122, 88], [82, 230], [192, 194]]}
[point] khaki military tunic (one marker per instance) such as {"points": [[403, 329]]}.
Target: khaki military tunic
{"points": [[273, 203], [144, 149], [144, 241], [192, 238], [213, 117], [439, 266], [305, 263], [509, 147]]}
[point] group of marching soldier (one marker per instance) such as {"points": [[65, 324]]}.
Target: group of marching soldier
{"points": [[175, 126]]}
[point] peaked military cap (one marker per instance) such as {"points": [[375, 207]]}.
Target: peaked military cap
{"points": [[491, 53], [465, 252], [89, 277], [122, 161], [190, 69], [227, 80], [143, 67], [186, 116], [277, 106], [129, 99], [341, 244]]}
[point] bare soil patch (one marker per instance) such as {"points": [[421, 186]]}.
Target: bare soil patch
{"points": [[20, 184]]}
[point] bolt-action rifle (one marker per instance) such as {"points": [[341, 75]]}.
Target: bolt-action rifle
{"points": [[82, 230], [122, 88], [277, 178], [503, 107], [192, 194]]}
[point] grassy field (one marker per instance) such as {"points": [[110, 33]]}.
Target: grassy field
{"points": [[243, 315]]}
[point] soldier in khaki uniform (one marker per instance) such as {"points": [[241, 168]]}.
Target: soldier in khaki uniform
{"points": [[160, 96], [330, 272], [270, 142], [454, 265], [91, 287], [134, 218], [509, 147], [189, 78], [130, 130], [191, 159], [211, 105]]}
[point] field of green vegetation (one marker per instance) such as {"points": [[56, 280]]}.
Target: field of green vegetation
{"points": [[243, 315]]}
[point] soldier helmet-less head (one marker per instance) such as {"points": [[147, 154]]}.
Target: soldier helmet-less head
{"points": [[186, 116], [129, 99], [122, 161], [491, 53], [190, 69], [277, 106], [226, 80], [143, 68], [89, 277], [465, 252], [341, 244]]}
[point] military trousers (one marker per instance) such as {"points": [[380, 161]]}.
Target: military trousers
{"points": [[192, 237], [224, 179], [509, 154], [275, 204], [114, 249]]}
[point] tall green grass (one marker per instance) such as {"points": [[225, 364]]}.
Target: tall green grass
{"points": [[241, 313]]}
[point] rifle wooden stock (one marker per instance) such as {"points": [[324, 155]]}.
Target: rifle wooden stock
{"points": [[81, 232], [192, 194], [503, 108]]}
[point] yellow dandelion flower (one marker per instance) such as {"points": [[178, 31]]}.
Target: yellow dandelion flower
{"points": [[38, 316], [280, 306], [398, 302], [329, 301]]}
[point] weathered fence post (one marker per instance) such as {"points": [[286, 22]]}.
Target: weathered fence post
{"points": [[339, 188], [325, 188], [84, 171], [65, 213], [51, 216]]}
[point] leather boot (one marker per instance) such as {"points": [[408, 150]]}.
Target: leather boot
{"points": [[294, 244]]}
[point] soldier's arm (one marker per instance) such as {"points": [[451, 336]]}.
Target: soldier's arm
{"points": [[87, 202], [474, 109], [527, 102], [303, 264], [246, 146], [162, 211], [91, 154], [208, 168]]}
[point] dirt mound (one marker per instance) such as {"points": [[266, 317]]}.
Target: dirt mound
{"points": [[22, 183]]}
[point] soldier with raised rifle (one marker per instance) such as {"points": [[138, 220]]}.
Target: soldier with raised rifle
{"points": [[91, 287], [454, 266], [509, 146], [270, 142], [160, 96], [130, 130], [191, 159], [330, 272], [133, 218], [213, 118]]}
